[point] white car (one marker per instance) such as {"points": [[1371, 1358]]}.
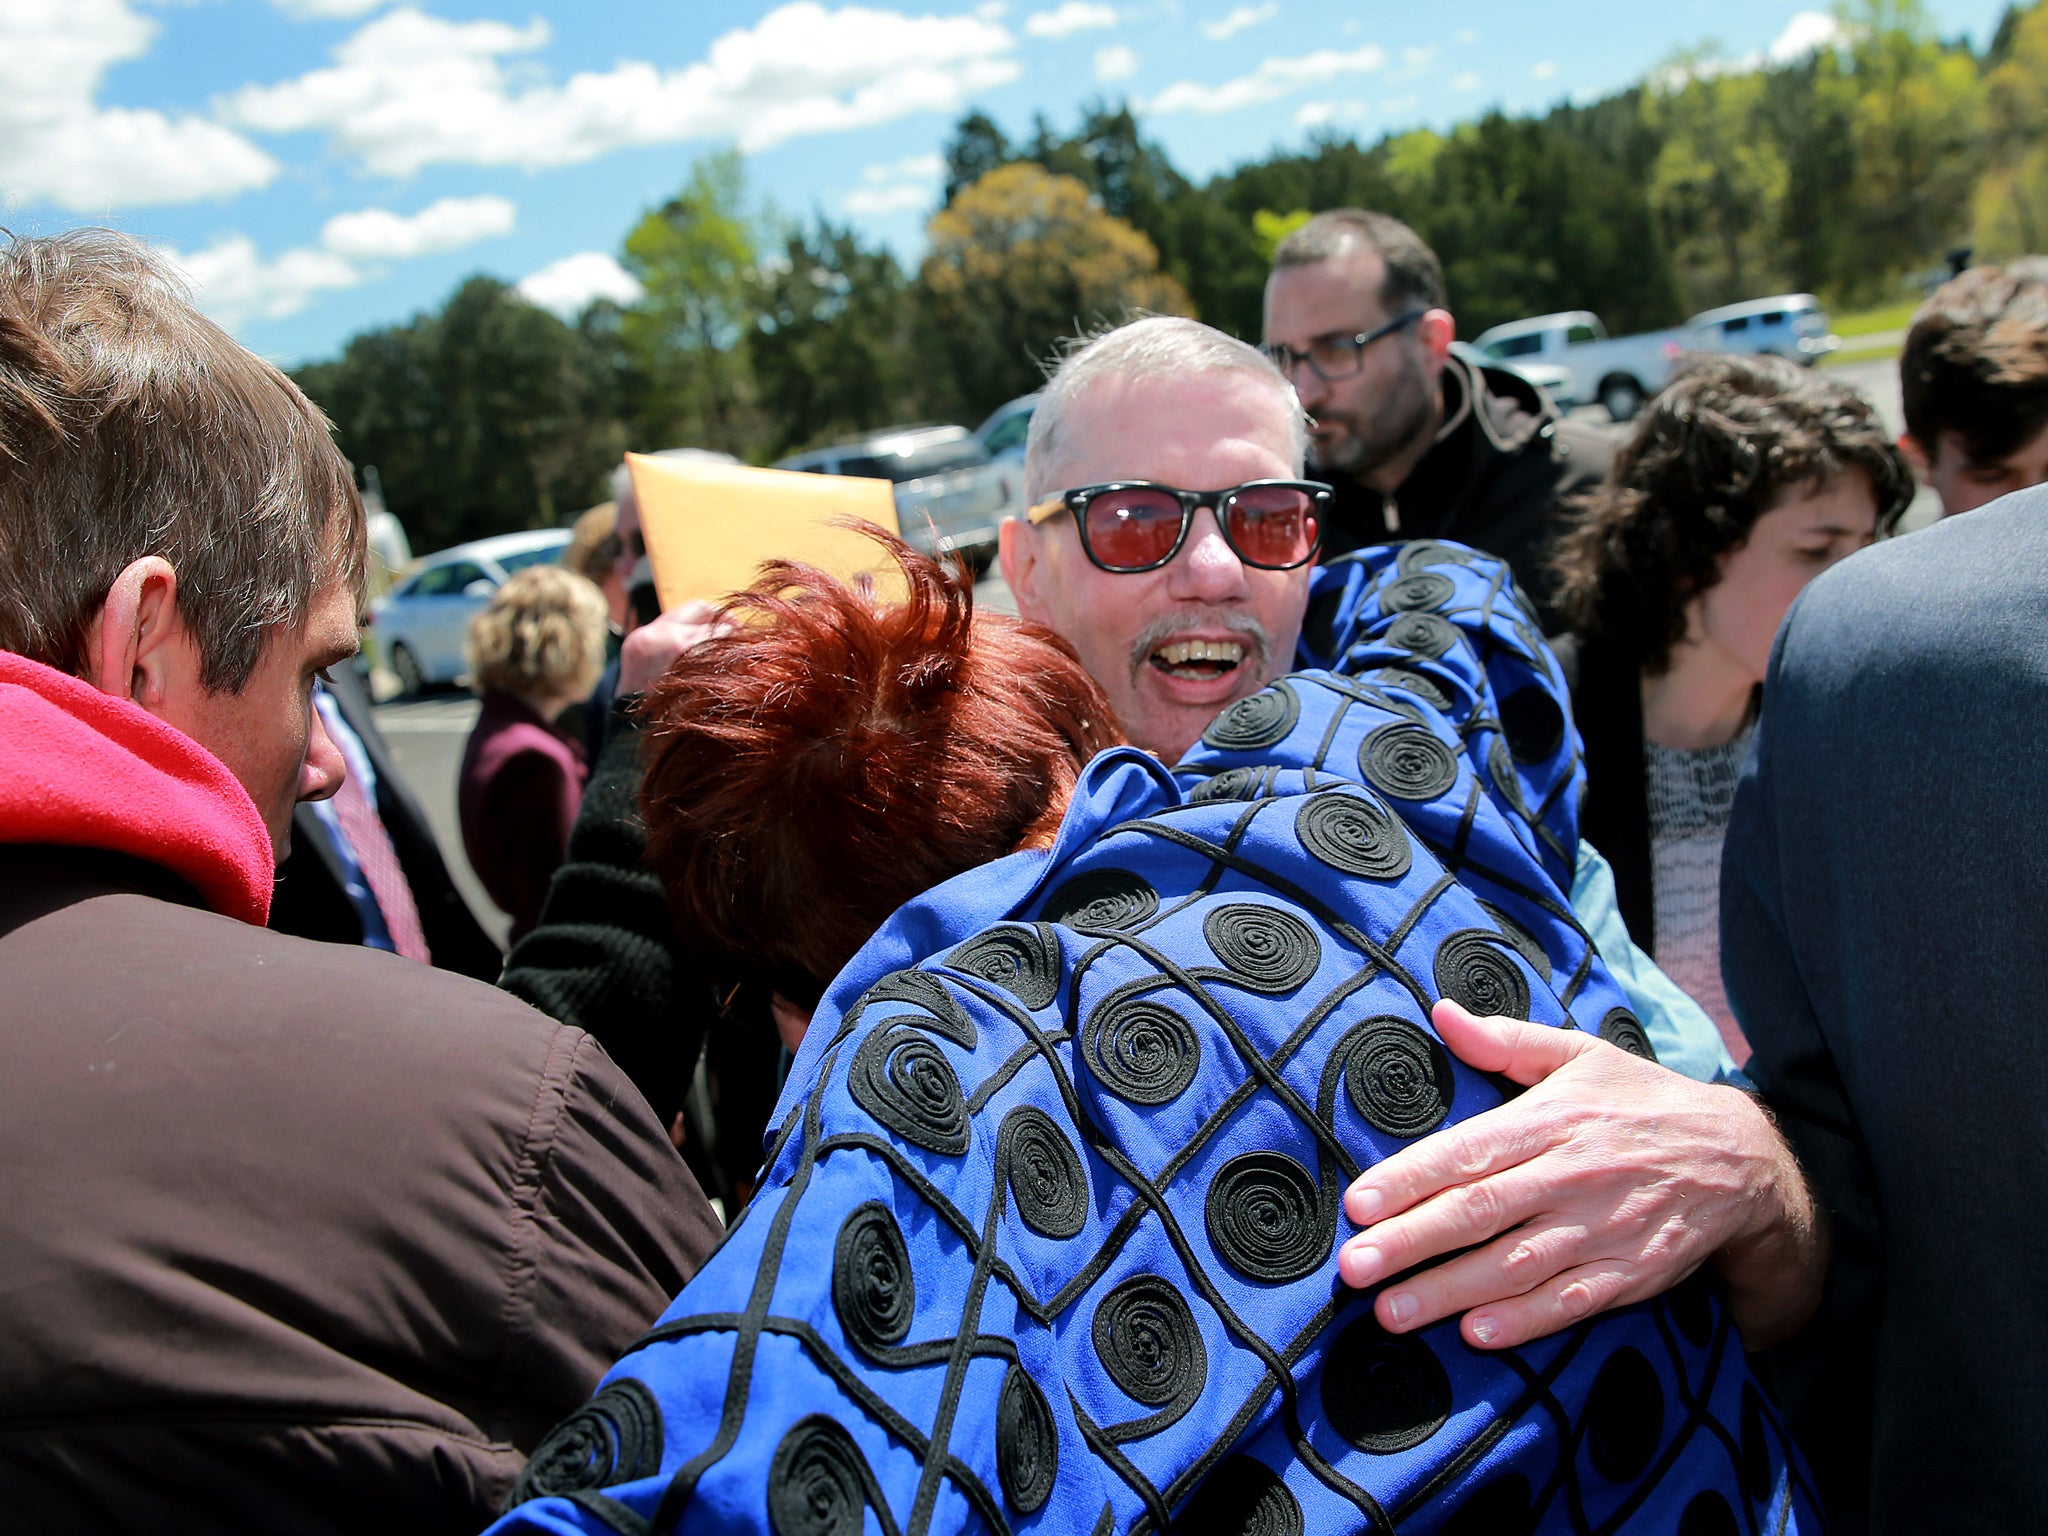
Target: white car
{"points": [[949, 496], [1790, 325], [417, 628], [1621, 372]]}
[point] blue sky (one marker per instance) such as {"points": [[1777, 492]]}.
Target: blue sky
{"points": [[324, 166]]}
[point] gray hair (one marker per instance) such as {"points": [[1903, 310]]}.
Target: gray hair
{"points": [[1156, 347], [1414, 277], [131, 425]]}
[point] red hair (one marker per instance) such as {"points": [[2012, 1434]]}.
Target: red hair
{"points": [[837, 754]]}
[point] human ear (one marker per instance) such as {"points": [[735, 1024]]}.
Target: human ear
{"points": [[1918, 457], [1436, 330], [1017, 554], [130, 650]]}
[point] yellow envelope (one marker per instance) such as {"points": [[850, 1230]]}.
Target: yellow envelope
{"points": [[709, 526]]}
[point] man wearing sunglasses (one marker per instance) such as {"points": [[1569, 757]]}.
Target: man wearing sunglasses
{"points": [[1414, 441], [1171, 541]]}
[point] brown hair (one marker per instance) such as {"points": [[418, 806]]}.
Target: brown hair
{"points": [[131, 425], [1414, 278], [834, 755], [594, 544], [1976, 360], [1728, 440], [541, 636]]}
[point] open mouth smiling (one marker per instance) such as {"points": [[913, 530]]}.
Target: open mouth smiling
{"points": [[1199, 660]]}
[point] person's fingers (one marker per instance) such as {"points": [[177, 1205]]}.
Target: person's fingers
{"points": [[1562, 1300], [1497, 1138], [1453, 1219], [1514, 1048]]}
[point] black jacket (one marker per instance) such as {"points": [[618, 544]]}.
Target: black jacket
{"points": [[1502, 461], [310, 900], [1607, 706]]}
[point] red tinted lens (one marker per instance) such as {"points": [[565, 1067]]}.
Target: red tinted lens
{"points": [[1132, 528], [1272, 524]]}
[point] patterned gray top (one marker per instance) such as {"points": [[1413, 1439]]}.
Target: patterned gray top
{"points": [[1691, 794]]}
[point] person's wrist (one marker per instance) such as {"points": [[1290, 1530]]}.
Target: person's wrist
{"points": [[1769, 1264]]}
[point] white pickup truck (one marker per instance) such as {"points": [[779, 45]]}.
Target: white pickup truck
{"points": [[1621, 372]]}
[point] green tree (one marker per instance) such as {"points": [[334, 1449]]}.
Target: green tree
{"points": [[831, 344], [2011, 199], [1020, 259], [1719, 183], [487, 416], [698, 257]]}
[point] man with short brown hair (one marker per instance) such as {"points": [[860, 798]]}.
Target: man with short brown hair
{"points": [[1973, 380], [298, 1236]]}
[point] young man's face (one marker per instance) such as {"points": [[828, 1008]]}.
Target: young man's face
{"points": [[1170, 647], [1964, 481]]}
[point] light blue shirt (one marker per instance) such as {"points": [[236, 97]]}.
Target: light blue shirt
{"points": [[376, 932], [1680, 1031]]}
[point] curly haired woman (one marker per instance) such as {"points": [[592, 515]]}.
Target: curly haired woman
{"points": [[1743, 481]]}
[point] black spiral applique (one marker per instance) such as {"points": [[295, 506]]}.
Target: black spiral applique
{"points": [[1141, 1050], [925, 991], [1263, 720], [1354, 836], [874, 1290], [1102, 898], [1407, 762], [1231, 784], [818, 1482], [1242, 1497], [1473, 970], [1023, 961], [1533, 725], [1027, 1442], [1384, 1392], [902, 1078], [1399, 1076], [1264, 1214], [1521, 939], [613, 1438], [1424, 688], [1418, 553], [1624, 1029], [1500, 767], [1265, 949], [1148, 1343], [1418, 592], [1624, 1416], [1045, 1173], [1425, 635]]}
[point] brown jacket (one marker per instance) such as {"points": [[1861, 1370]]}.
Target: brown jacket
{"points": [[296, 1236]]}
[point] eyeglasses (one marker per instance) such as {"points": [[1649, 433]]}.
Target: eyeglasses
{"points": [[1335, 357], [1133, 525]]}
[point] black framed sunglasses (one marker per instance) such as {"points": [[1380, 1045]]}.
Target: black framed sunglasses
{"points": [[1335, 357], [1129, 526]]}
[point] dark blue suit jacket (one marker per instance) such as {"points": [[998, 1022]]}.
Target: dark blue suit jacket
{"points": [[1884, 926]]}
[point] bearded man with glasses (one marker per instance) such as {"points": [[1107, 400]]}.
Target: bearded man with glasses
{"points": [[1415, 441]]}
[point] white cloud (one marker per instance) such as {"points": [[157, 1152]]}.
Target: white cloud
{"points": [[1468, 81], [1465, 37], [1394, 106], [992, 10], [1320, 114], [567, 286], [1115, 62], [1416, 61], [57, 144], [1072, 16], [1808, 32], [234, 284], [377, 234], [1543, 71], [325, 10], [1229, 26], [1273, 78], [897, 186], [411, 90]]}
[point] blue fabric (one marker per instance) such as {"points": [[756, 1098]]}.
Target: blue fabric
{"points": [[1045, 1239]]}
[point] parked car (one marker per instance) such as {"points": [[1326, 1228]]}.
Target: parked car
{"points": [[949, 496], [1553, 380], [1007, 427], [1790, 325], [1620, 372], [417, 627]]}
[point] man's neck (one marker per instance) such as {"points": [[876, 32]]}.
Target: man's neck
{"points": [[1391, 475]]}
